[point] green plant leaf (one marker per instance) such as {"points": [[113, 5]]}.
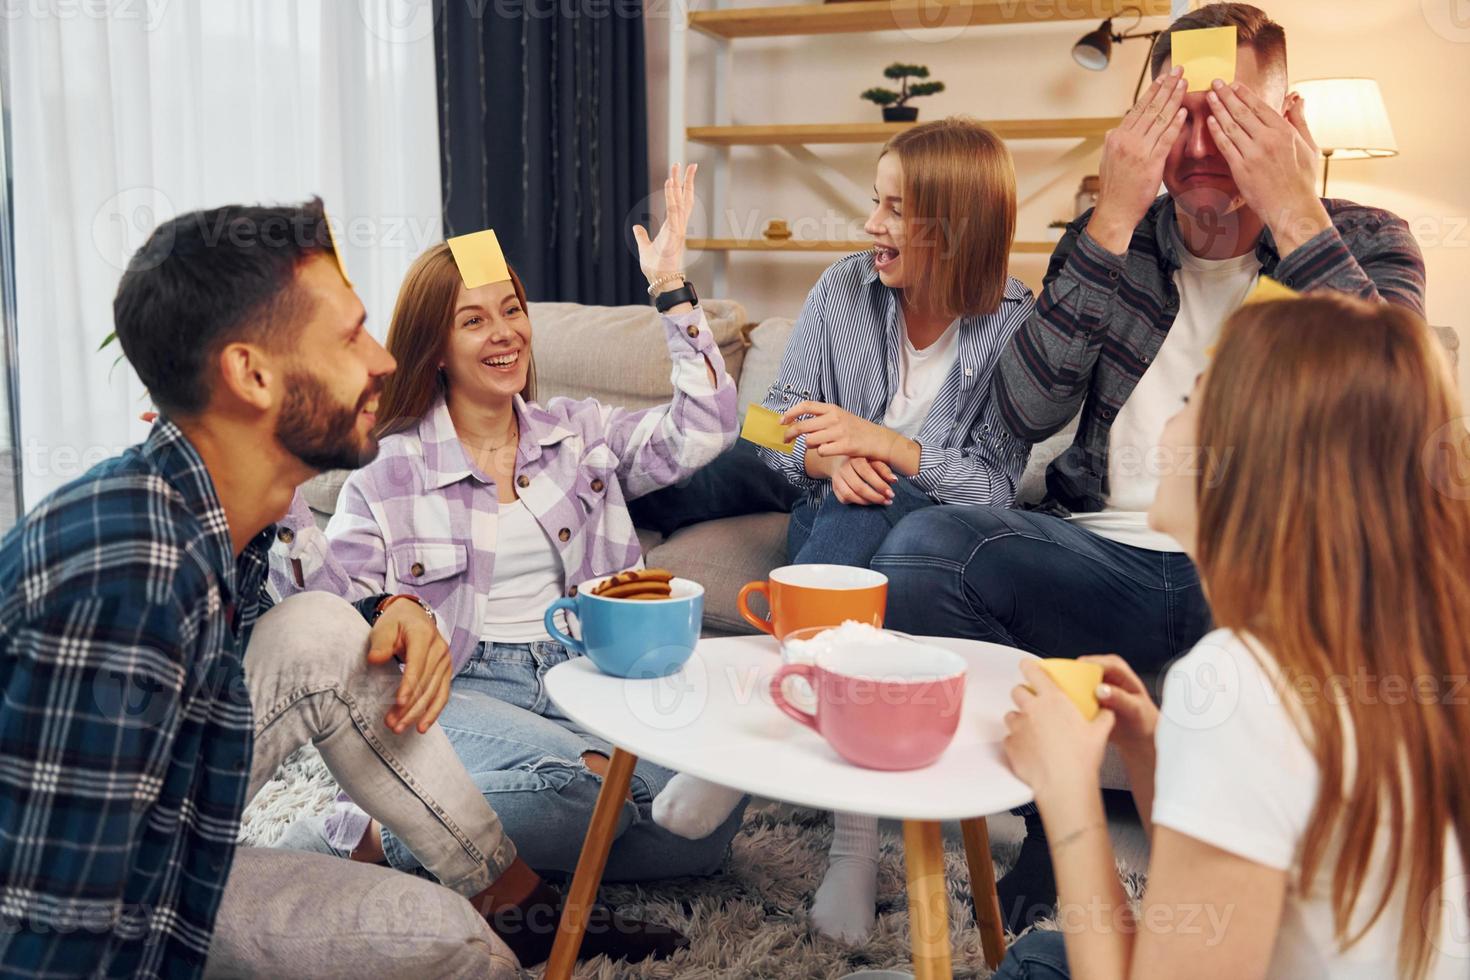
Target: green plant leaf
{"points": [[110, 338], [881, 96], [925, 88]]}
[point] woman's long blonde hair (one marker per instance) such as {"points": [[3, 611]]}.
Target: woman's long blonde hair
{"points": [[1338, 533]]}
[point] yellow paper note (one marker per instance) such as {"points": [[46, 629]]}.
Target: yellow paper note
{"points": [[763, 427], [479, 258], [337, 252], [1206, 54], [1268, 289], [1078, 680]]}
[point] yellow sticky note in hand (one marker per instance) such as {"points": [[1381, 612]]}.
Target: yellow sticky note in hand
{"points": [[337, 252], [479, 258], [763, 427], [1078, 680], [1206, 54], [1268, 289]]}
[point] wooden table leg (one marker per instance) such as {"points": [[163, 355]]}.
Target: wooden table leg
{"points": [[982, 886], [923, 852], [590, 865]]}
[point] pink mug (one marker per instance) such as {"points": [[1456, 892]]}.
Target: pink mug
{"points": [[890, 706]]}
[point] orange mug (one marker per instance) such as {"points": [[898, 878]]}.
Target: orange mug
{"points": [[803, 596]]}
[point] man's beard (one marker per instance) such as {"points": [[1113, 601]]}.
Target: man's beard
{"points": [[320, 431]]}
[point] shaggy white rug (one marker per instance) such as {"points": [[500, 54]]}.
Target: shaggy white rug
{"points": [[748, 922]]}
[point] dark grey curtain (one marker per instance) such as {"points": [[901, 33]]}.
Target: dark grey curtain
{"points": [[543, 134]]}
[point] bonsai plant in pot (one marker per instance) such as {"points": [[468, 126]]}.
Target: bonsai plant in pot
{"points": [[895, 104]]}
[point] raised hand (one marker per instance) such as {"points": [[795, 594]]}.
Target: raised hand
{"points": [[664, 255], [1133, 158], [1273, 160]]}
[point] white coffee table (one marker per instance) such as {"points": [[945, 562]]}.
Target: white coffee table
{"points": [[715, 719]]}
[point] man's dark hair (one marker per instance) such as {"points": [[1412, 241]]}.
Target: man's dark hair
{"points": [[206, 279], [1253, 30]]}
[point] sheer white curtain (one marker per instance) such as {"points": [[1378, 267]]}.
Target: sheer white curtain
{"points": [[121, 121]]}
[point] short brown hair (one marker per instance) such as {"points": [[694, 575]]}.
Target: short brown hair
{"points": [[419, 335], [1253, 30], [959, 201]]}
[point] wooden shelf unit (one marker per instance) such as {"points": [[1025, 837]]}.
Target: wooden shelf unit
{"points": [[879, 132], [905, 15]]}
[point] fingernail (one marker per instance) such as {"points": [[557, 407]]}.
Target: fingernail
{"points": [[1217, 84], [1104, 691], [1177, 70]]}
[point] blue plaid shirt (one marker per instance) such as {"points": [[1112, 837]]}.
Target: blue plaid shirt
{"points": [[125, 724]]}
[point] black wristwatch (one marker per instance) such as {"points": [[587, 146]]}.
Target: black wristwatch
{"points": [[664, 302]]}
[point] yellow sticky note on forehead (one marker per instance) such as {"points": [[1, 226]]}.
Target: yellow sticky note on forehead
{"points": [[479, 258], [337, 252], [763, 427], [1206, 54], [1268, 289]]}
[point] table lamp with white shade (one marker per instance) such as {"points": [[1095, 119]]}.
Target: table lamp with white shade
{"points": [[1348, 120]]}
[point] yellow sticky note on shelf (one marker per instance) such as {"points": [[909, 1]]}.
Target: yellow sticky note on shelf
{"points": [[337, 252], [1206, 54], [479, 258], [763, 427], [1268, 289]]}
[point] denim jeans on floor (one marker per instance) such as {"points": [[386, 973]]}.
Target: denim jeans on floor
{"points": [[526, 757], [834, 533], [1038, 955], [1039, 583]]}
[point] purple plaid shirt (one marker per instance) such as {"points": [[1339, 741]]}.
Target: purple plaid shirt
{"points": [[406, 521]]}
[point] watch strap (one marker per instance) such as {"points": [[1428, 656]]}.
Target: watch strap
{"points": [[666, 301]]}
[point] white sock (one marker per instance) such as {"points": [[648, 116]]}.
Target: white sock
{"points": [[694, 808], [844, 905]]}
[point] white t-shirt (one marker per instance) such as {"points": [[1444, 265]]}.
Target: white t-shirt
{"points": [[1209, 291], [528, 576], [1234, 772], [921, 373]]}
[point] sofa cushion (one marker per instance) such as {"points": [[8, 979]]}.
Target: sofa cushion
{"points": [[768, 341], [618, 354], [722, 556]]}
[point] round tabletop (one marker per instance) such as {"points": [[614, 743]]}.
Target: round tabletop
{"points": [[715, 719]]}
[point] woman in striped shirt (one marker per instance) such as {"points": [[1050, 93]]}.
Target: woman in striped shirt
{"points": [[885, 389]]}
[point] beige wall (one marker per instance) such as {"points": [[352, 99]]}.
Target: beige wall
{"points": [[1419, 50]]}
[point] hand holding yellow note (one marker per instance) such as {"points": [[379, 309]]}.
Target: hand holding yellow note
{"points": [[1206, 54], [1078, 680], [763, 427], [479, 258]]}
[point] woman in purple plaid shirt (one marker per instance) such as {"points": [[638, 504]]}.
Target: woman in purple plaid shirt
{"points": [[489, 506]]}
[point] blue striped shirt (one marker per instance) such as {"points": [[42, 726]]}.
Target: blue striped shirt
{"points": [[845, 351]]}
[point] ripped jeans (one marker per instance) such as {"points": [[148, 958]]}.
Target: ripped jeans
{"points": [[526, 757]]}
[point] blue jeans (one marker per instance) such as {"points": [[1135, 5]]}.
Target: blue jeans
{"points": [[834, 533], [1041, 584], [737, 482], [1038, 955], [526, 757]]}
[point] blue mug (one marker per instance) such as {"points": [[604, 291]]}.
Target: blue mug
{"points": [[633, 638]]}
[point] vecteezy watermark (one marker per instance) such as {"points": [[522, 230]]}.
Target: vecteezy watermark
{"points": [[1451, 900], [148, 13], [1446, 459], [1202, 690], [129, 219], [1450, 19], [399, 21], [125, 221], [1203, 919]]}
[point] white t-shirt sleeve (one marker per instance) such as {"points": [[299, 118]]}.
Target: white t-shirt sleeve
{"points": [[1232, 768]]}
